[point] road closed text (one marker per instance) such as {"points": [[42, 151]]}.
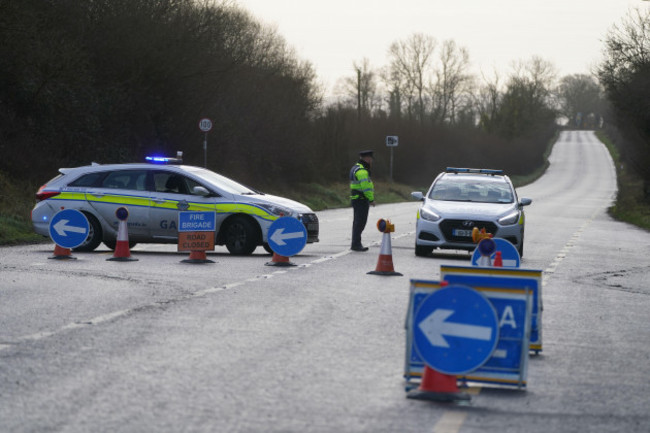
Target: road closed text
{"points": [[195, 241]]}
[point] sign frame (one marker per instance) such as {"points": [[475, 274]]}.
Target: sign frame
{"points": [[508, 364]]}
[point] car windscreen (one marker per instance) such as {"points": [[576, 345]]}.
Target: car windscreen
{"points": [[221, 182], [456, 188]]}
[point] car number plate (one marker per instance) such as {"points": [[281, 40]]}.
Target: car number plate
{"points": [[462, 233]]}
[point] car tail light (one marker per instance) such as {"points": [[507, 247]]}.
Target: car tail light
{"points": [[44, 195]]}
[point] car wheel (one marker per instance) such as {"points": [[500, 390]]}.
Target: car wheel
{"points": [[521, 248], [422, 250], [112, 243], [94, 235], [241, 237]]}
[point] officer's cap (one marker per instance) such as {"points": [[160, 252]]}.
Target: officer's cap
{"points": [[366, 153]]}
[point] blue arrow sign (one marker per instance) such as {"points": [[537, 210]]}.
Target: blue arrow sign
{"points": [[287, 236], [69, 228], [455, 330], [509, 254]]}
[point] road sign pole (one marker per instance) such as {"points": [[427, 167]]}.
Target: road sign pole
{"points": [[391, 165], [205, 150], [205, 125]]}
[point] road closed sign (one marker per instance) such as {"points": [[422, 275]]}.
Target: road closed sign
{"points": [[195, 241], [196, 231]]}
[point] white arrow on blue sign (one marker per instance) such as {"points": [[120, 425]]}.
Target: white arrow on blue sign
{"points": [[455, 330], [509, 254], [287, 236], [69, 228]]}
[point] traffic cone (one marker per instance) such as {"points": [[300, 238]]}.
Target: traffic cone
{"points": [[385, 262], [61, 253], [198, 257], [438, 387], [279, 260], [122, 252], [498, 261]]}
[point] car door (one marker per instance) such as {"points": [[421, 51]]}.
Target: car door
{"points": [[122, 188], [173, 192]]}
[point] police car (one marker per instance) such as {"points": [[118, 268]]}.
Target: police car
{"points": [[463, 198], [154, 193]]}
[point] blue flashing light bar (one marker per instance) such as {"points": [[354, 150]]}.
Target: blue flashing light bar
{"points": [[473, 170], [163, 160]]}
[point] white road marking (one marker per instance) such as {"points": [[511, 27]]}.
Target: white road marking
{"points": [[199, 293]]}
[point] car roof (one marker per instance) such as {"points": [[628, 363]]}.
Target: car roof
{"points": [[134, 165]]}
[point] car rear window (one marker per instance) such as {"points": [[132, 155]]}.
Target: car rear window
{"points": [[90, 179]]}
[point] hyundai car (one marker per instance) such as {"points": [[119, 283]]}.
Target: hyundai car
{"points": [[154, 193], [461, 199]]}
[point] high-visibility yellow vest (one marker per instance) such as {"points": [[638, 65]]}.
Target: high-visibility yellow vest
{"points": [[361, 186]]}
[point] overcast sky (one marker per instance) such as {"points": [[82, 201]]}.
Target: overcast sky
{"points": [[333, 34]]}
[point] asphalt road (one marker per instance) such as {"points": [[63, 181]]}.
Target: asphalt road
{"points": [[237, 346]]}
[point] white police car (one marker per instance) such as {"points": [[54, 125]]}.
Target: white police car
{"points": [[154, 193], [463, 198]]}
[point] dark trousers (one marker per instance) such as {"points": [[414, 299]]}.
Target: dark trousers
{"points": [[360, 208]]}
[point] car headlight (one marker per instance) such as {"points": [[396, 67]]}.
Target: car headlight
{"points": [[509, 219], [429, 215], [276, 210]]}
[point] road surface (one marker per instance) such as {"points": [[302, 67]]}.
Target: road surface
{"points": [[237, 346]]}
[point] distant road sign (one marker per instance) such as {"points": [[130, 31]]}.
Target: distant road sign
{"points": [[69, 228], [455, 330], [287, 236], [392, 140], [205, 124]]}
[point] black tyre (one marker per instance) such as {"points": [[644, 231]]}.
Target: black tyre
{"points": [[267, 248], [422, 250], [241, 236], [521, 247], [94, 235], [112, 243]]}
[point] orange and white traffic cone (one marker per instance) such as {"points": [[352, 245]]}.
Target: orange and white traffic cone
{"points": [[61, 253], [122, 252], [438, 387], [279, 260], [498, 260], [385, 262], [198, 257]]}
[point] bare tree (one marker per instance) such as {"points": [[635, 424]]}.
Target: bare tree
{"points": [[452, 83], [361, 90], [410, 65]]}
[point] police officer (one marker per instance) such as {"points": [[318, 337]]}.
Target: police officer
{"points": [[362, 195]]}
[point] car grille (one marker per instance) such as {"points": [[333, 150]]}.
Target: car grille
{"points": [[448, 226], [310, 220]]}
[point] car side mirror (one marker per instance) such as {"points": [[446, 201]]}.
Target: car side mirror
{"points": [[200, 190], [417, 195], [525, 202]]}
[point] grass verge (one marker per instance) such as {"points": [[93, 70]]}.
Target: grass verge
{"points": [[630, 206], [16, 203]]}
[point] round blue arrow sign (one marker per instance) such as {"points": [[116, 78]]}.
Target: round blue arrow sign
{"points": [[455, 330], [69, 228], [509, 254], [287, 236]]}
